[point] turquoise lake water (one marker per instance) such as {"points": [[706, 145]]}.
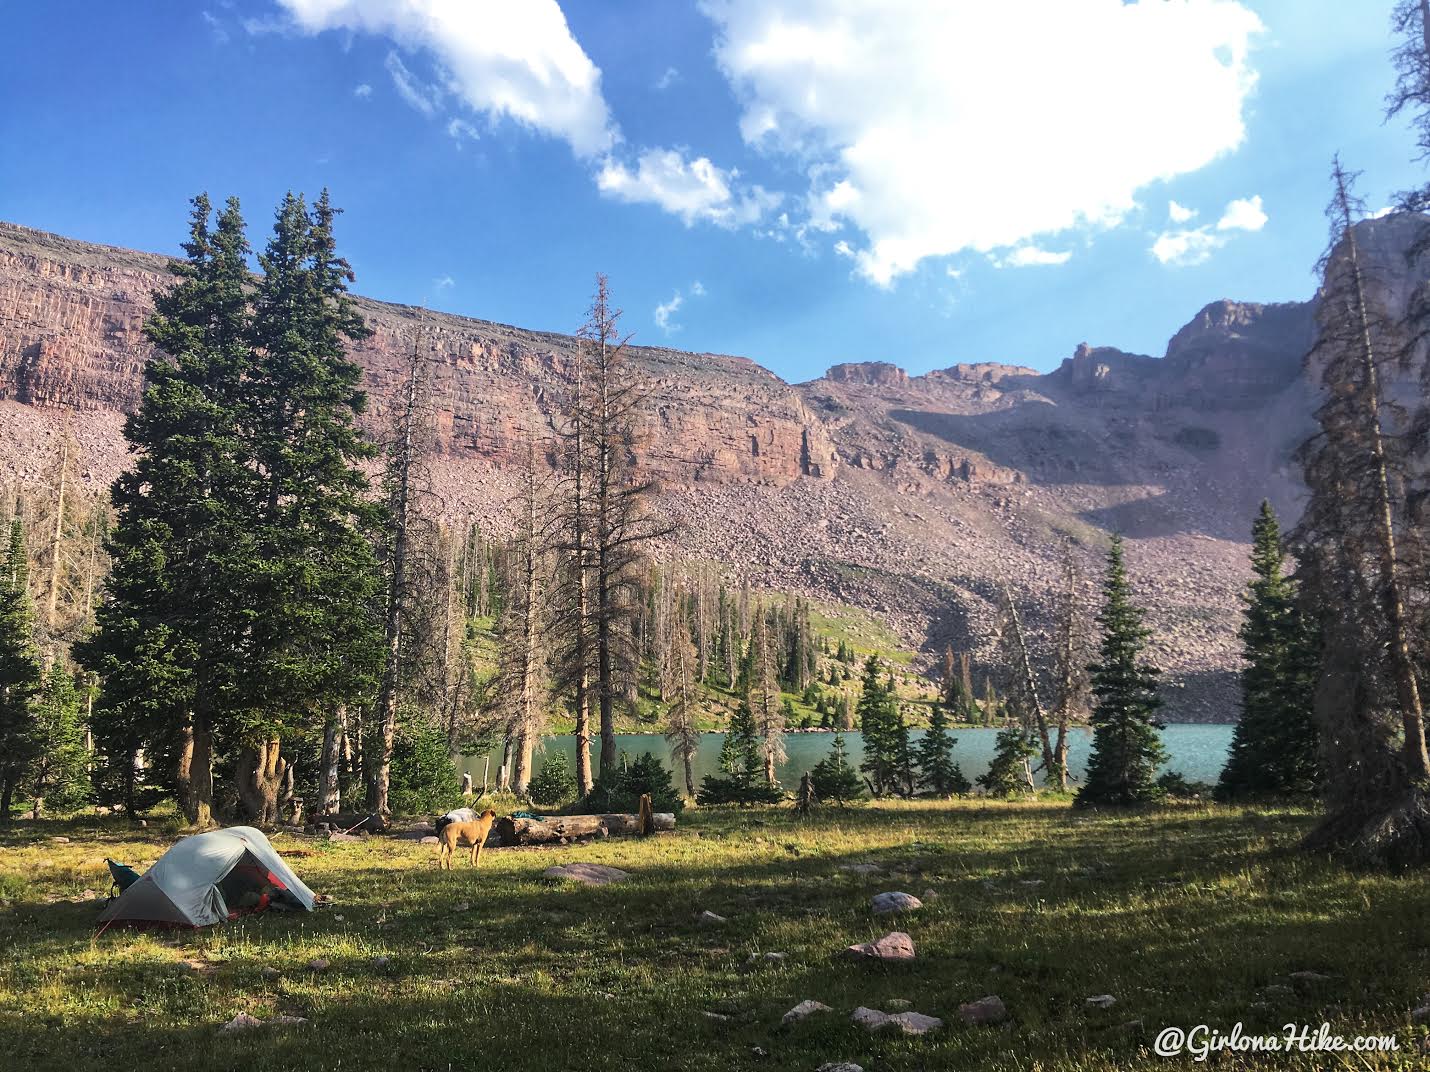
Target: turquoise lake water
{"points": [[1197, 751]]}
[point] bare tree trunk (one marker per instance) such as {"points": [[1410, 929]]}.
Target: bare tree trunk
{"points": [[329, 791], [201, 777], [396, 586], [183, 771], [1417, 759], [259, 777], [57, 538], [1030, 685]]}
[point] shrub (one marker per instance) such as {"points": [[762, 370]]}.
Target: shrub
{"points": [[424, 778], [554, 783], [623, 790]]}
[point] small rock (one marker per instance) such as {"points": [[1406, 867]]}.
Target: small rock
{"points": [[241, 1022], [380, 961], [840, 1066], [869, 1019], [340, 919], [1309, 978], [716, 1017], [894, 946], [143, 822], [60, 840], [988, 1010], [710, 919], [759, 1051], [430, 839], [885, 903], [587, 874], [270, 973], [899, 1004], [803, 1011], [1031, 882], [319, 964], [930, 895], [767, 958], [1102, 1001]]}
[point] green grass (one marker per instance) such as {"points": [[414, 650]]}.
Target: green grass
{"points": [[1185, 915]]}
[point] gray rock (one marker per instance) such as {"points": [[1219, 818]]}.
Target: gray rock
{"points": [[909, 1023], [431, 839], [586, 874], [840, 1066], [986, 1010], [380, 962], [319, 964], [803, 1011], [270, 973], [241, 1022], [1309, 978], [894, 946], [885, 903], [1102, 1001], [861, 869], [716, 1017], [711, 919]]}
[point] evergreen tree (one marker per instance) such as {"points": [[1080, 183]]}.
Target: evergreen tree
{"points": [[19, 671], [315, 582], [58, 777], [939, 773], [835, 779], [888, 759], [173, 643], [554, 784], [742, 767], [1274, 748], [1126, 744], [1007, 773]]}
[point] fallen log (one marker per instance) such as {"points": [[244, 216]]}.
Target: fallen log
{"points": [[553, 828]]}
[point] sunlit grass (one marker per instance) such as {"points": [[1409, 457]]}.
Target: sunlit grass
{"points": [[1185, 915]]}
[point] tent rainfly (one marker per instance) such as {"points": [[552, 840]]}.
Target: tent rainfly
{"points": [[210, 878]]}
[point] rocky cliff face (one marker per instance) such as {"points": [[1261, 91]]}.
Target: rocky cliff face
{"points": [[916, 497]]}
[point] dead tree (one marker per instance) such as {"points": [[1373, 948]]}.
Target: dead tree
{"points": [[681, 729], [1070, 685], [1349, 543]]}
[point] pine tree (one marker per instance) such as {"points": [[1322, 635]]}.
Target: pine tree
{"points": [[1126, 745], [58, 777], [1008, 772], [19, 670], [834, 777], [939, 773], [741, 780], [1274, 748], [313, 587], [887, 757], [173, 634]]}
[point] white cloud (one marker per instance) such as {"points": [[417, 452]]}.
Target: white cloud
{"points": [[668, 79], [425, 98], [1179, 213], [691, 189], [362, 91], [1243, 214], [935, 128], [457, 129], [445, 282], [216, 27], [1194, 245], [516, 61], [665, 310], [1183, 248], [1032, 256], [844, 249]]}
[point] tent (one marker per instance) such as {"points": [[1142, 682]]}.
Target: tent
{"points": [[209, 878]]}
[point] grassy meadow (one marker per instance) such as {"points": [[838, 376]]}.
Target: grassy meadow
{"points": [[1186, 915]]}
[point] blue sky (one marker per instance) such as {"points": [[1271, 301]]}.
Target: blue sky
{"points": [[799, 181]]}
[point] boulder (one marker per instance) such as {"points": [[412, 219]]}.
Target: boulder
{"points": [[886, 903], [909, 1023], [894, 946], [587, 874], [987, 1010], [803, 1011], [241, 1022]]}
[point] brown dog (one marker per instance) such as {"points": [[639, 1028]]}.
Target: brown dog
{"points": [[473, 834]]}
